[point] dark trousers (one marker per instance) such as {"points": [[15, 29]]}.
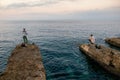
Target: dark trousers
{"points": [[25, 39]]}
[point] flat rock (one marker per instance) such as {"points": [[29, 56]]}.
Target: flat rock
{"points": [[108, 58], [113, 41], [25, 63]]}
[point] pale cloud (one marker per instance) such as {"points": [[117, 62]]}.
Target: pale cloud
{"points": [[29, 3], [45, 8]]}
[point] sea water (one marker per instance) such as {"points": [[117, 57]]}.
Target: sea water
{"points": [[59, 45]]}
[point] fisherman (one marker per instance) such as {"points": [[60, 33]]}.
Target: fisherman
{"points": [[25, 36], [92, 39]]}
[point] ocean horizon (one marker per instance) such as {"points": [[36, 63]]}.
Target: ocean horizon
{"points": [[59, 43]]}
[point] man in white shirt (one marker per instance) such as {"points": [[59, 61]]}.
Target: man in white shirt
{"points": [[25, 36], [92, 39]]}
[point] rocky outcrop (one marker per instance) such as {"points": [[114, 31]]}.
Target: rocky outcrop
{"points": [[113, 41], [106, 57], [25, 63]]}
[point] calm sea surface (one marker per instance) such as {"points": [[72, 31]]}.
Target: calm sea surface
{"points": [[59, 45]]}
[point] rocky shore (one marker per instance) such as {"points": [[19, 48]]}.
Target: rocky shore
{"points": [[25, 63], [113, 41], [108, 58]]}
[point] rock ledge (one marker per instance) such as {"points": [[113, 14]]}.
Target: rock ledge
{"points": [[25, 63], [113, 41], [108, 58]]}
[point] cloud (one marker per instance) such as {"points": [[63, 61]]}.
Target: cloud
{"points": [[106, 14], [17, 5], [20, 5], [34, 3], [59, 9]]}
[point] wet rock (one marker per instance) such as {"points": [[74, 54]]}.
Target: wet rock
{"points": [[113, 41], [25, 63], [108, 58]]}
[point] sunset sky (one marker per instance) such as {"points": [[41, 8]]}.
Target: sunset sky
{"points": [[59, 9]]}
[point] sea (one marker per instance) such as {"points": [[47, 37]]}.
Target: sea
{"points": [[59, 42]]}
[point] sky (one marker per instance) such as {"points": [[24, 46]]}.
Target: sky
{"points": [[59, 9]]}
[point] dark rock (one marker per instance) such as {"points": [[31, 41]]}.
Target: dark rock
{"points": [[25, 63], [23, 45], [108, 58]]}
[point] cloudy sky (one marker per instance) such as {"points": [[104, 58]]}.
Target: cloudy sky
{"points": [[59, 9]]}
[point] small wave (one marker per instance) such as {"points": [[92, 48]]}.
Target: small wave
{"points": [[70, 75]]}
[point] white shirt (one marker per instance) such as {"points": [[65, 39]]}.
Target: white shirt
{"points": [[24, 33], [92, 39]]}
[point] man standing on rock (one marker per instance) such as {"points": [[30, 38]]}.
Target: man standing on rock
{"points": [[25, 35], [92, 39]]}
